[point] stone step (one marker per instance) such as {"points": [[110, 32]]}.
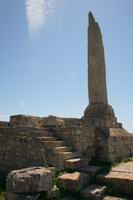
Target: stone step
{"points": [[121, 182], [45, 138], [54, 143], [120, 178], [73, 181], [94, 192], [62, 149], [68, 155], [40, 133], [93, 171], [75, 163], [62, 156], [113, 198]]}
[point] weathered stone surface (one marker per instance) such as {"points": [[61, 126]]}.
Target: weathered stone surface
{"points": [[98, 113], [96, 62], [52, 169], [17, 147], [120, 144], [34, 121], [14, 196], [4, 124], [82, 139], [73, 181], [91, 170], [53, 121], [112, 198], [20, 149], [121, 179], [93, 192], [26, 121], [113, 144], [29, 180], [73, 163]]}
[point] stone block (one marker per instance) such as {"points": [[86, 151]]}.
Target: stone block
{"points": [[121, 179], [14, 196], [29, 180], [75, 163], [92, 171], [112, 198], [73, 181], [93, 192]]}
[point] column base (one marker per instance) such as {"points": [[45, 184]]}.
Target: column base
{"points": [[100, 115]]}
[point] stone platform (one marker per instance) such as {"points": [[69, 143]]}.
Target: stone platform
{"points": [[120, 177]]}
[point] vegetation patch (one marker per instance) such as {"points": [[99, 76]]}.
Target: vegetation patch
{"points": [[2, 194]]}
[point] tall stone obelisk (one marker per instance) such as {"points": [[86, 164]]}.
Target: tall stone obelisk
{"points": [[98, 113], [96, 64]]}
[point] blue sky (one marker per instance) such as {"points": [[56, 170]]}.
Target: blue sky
{"points": [[43, 56]]}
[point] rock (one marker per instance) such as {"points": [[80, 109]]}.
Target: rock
{"points": [[14, 196], [29, 180], [73, 181], [93, 192], [53, 193]]}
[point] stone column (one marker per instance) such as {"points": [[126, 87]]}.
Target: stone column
{"points": [[96, 64], [98, 113]]}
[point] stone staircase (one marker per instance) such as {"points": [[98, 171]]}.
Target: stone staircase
{"points": [[53, 151], [58, 154], [92, 185]]}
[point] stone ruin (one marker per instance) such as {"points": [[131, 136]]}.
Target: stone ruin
{"points": [[97, 135], [27, 141]]}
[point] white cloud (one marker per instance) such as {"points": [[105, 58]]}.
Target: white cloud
{"points": [[38, 12], [4, 117], [22, 104]]}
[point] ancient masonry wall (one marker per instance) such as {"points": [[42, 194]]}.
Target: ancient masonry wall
{"points": [[120, 144], [82, 139], [33, 121], [26, 121], [19, 148], [113, 145], [4, 124]]}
